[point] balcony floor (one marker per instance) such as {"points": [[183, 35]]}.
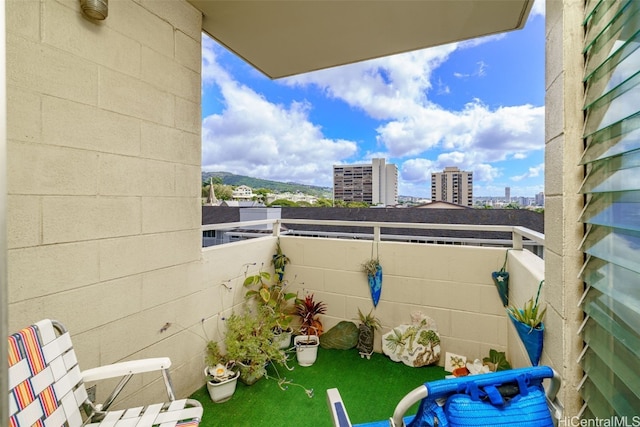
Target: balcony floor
{"points": [[370, 390]]}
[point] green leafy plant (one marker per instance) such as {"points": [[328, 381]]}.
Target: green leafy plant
{"points": [[272, 296], [219, 367], [496, 361], [279, 260], [213, 355], [249, 341], [530, 314], [369, 320]]}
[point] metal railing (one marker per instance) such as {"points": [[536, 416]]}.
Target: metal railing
{"points": [[519, 235]]}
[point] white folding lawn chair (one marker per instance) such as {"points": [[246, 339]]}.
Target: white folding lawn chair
{"points": [[46, 386]]}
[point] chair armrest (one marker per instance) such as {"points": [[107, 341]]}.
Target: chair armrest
{"points": [[126, 368], [414, 396], [338, 411]]}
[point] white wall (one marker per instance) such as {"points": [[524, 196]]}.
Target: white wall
{"points": [[452, 284]]}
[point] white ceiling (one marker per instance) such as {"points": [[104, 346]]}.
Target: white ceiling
{"points": [[283, 38]]}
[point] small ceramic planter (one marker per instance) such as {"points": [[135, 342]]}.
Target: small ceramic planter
{"points": [[223, 390], [365, 341], [306, 349]]}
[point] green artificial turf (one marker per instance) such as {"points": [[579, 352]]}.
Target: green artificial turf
{"points": [[370, 389]]}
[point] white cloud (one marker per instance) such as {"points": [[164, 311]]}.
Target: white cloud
{"points": [[531, 173], [255, 137], [492, 135], [384, 88], [538, 8], [418, 170], [479, 72], [212, 72], [395, 90]]}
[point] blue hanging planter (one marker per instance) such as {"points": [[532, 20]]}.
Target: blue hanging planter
{"points": [[532, 338], [375, 284], [501, 280]]}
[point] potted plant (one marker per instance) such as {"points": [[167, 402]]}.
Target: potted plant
{"points": [[270, 293], [249, 341], [221, 376], [308, 310], [373, 269], [528, 323], [366, 331], [496, 361], [250, 345], [279, 261], [311, 327]]}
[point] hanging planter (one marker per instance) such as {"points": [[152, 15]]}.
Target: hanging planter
{"points": [[501, 280], [279, 261], [373, 269], [374, 276], [529, 326]]}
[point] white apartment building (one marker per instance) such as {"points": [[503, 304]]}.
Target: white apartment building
{"points": [[375, 183], [242, 192], [452, 185]]}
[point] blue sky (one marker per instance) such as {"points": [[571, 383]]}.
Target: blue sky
{"points": [[477, 105]]}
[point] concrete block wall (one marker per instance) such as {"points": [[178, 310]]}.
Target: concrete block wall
{"points": [[563, 203], [224, 269], [451, 284], [104, 178]]}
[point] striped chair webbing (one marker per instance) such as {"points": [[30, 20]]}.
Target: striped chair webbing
{"points": [[46, 388], [45, 383], [178, 413]]}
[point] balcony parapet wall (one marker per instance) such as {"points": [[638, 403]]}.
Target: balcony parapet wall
{"points": [[451, 284]]}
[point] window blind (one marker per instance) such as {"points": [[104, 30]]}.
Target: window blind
{"points": [[611, 331]]}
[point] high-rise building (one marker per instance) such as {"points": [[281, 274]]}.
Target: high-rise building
{"points": [[507, 194], [452, 185], [375, 183]]}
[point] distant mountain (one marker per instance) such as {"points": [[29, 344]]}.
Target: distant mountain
{"points": [[275, 186]]}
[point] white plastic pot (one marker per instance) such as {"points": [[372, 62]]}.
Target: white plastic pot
{"points": [[222, 391], [306, 349], [283, 339]]}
